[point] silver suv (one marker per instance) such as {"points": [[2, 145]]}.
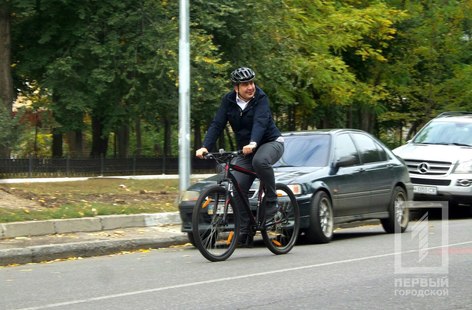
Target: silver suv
{"points": [[439, 159]]}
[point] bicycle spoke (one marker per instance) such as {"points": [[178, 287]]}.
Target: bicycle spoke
{"points": [[215, 225], [280, 234]]}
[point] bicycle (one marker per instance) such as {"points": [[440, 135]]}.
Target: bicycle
{"points": [[215, 218]]}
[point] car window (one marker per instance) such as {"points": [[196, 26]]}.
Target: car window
{"points": [[344, 148], [383, 154], [445, 133], [305, 151], [369, 150]]}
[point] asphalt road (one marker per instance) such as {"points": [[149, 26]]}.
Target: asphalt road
{"points": [[363, 268]]}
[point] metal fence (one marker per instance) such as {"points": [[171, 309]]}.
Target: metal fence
{"points": [[76, 167]]}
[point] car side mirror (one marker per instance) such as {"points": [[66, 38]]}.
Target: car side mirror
{"points": [[346, 161]]}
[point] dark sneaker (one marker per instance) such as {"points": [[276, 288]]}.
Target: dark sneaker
{"points": [[271, 210], [245, 241]]}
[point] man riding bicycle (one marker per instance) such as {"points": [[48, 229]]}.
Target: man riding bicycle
{"points": [[247, 110]]}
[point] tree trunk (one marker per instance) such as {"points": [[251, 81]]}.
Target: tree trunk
{"points": [[57, 150], [292, 125], [6, 81], [197, 136], [167, 137], [139, 137], [76, 143], [364, 118], [123, 141], [99, 141], [412, 131], [349, 117]]}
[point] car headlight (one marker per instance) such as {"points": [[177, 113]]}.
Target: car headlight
{"points": [[464, 167], [296, 188], [190, 196]]}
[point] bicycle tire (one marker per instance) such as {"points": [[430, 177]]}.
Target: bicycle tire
{"points": [[215, 230], [281, 235]]}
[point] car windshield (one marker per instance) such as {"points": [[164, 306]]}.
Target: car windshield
{"points": [[305, 151], [446, 133]]}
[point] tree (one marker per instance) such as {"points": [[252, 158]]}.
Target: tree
{"points": [[6, 81], [427, 69], [314, 57], [109, 65]]}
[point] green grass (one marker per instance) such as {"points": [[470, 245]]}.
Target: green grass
{"points": [[63, 200]]}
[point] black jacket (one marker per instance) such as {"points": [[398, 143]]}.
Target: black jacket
{"points": [[253, 124]]}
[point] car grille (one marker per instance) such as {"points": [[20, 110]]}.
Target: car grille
{"points": [[418, 167], [430, 182], [252, 194]]}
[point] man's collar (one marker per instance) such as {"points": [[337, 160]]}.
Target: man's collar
{"points": [[239, 99]]}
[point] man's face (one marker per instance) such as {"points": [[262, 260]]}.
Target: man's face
{"points": [[245, 90]]}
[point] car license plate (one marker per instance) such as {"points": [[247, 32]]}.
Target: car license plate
{"points": [[428, 190], [219, 210]]}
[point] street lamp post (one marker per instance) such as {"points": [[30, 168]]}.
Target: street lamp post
{"points": [[184, 96]]}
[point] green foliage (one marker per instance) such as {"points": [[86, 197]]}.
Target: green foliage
{"points": [[8, 127], [428, 66], [374, 65]]}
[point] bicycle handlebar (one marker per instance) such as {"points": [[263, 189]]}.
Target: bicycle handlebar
{"points": [[222, 153]]}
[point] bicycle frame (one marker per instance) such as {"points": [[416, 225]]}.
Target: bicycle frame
{"points": [[215, 217], [229, 180]]}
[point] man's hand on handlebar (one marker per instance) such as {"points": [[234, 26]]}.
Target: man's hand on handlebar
{"points": [[201, 152], [248, 149]]}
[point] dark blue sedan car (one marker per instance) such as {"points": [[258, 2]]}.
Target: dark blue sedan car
{"points": [[338, 176]]}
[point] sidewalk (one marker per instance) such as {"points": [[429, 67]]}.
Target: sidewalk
{"points": [[38, 241]]}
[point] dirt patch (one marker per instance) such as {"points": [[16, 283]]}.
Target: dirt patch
{"points": [[14, 198], [11, 201]]}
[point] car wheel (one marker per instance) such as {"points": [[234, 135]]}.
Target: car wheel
{"points": [[399, 215], [321, 219], [190, 238]]}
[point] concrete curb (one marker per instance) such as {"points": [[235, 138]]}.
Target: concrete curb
{"points": [[72, 179], [87, 224], [41, 253]]}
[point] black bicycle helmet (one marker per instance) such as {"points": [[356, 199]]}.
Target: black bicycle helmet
{"points": [[242, 74]]}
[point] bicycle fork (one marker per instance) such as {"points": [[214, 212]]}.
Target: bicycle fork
{"points": [[226, 210]]}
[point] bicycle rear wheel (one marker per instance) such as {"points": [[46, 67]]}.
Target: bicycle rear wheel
{"points": [[280, 234], [215, 224]]}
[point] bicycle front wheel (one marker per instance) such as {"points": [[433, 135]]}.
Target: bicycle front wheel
{"points": [[215, 224], [280, 234]]}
